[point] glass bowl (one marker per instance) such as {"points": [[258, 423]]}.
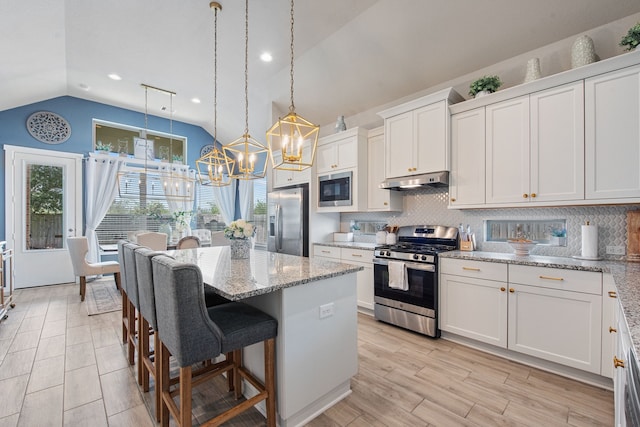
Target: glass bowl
{"points": [[522, 247]]}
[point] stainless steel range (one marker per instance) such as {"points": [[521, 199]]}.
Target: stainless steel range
{"points": [[406, 277]]}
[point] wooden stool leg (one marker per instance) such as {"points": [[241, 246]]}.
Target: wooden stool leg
{"points": [[83, 287], [116, 277], [237, 380], [143, 352], [125, 310], [157, 374], [131, 333], [163, 359], [270, 381], [185, 396], [231, 373]]}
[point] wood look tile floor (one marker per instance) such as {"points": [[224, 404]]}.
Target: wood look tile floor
{"points": [[60, 367]]}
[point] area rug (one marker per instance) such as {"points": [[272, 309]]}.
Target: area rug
{"points": [[102, 296]]}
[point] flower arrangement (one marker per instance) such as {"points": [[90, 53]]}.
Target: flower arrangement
{"points": [[239, 229], [486, 83], [103, 147], [182, 219], [632, 39]]}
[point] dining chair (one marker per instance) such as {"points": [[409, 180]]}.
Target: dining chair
{"points": [[192, 333], [78, 249], [204, 235], [153, 240], [188, 242], [218, 239]]}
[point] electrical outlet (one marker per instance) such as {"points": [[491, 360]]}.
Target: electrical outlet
{"points": [[615, 250], [327, 310]]}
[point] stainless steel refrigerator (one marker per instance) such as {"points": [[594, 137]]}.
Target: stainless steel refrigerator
{"points": [[288, 221]]}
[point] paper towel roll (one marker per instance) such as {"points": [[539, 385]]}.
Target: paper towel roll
{"points": [[589, 241]]}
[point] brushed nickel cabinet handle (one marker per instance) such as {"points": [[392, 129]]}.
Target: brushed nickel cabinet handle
{"points": [[612, 294], [470, 268], [618, 363], [611, 330], [559, 279]]}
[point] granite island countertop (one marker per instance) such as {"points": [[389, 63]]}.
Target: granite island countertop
{"points": [[349, 245], [626, 276], [261, 273]]}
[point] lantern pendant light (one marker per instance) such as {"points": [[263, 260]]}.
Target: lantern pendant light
{"points": [[251, 156], [213, 168], [292, 140]]}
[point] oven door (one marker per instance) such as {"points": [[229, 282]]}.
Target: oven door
{"points": [[422, 286]]}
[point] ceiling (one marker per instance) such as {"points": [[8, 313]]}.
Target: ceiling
{"points": [[350, 55]]}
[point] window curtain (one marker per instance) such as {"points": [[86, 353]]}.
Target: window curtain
{"points": [[226, 200], [102, 188], [245, 190], [179, 188]]}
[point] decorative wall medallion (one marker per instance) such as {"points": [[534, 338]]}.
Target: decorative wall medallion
{"points": [[48, 127], [206, 149]]}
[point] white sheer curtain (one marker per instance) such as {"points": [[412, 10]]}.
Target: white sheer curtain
{"points": [[245, 190], [102, 188], [179, 188], [226, 200]]}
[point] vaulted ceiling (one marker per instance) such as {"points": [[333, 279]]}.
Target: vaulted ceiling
{"points": [[351, 55]]}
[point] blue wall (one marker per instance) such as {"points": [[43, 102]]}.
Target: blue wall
{"points": [[80, 113]]}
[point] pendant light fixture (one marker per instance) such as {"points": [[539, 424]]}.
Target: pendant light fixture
{"points": [[250, 155], [213, 168], [292, 140]]}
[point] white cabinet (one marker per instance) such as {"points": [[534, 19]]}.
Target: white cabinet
{"points": [[620, 364], [284, 178], [556, 315], [467, 180], [612, 134], [339, 151], [416, 135], [609, 324], [378, 199], [359, 257], [473, 300]]}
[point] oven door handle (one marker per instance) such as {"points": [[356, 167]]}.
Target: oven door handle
{"points": [[411, 265]]}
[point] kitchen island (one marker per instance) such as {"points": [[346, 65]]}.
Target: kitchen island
{"points": [[314, 302]]}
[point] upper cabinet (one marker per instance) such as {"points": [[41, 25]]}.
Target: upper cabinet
{"points": [[337, 152], [416, 135], [467, 179], [379, 199], [285, 178], [612, 135]]}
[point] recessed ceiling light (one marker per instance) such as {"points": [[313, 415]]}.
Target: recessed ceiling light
{"points": [[266, 57], [114, 76], [84, 87], [195, 100]]}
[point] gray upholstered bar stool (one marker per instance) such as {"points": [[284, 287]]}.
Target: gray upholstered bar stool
{"points": [[193, 333], [134, 303], [128, 310]]}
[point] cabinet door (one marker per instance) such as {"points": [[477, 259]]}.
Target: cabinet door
{"points": [[398, 131], [612, 135], [430, 138], [326, 160], [474, 308], [609, 325], [507, 154], [280, 178], [560, 326], [346, 153], [467, 180], [557, 144], [379, 199], [623, 344]]}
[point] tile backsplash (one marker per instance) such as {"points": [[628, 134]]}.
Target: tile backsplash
{"points": [[429, 206]]}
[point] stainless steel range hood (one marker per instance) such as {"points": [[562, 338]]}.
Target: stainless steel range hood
{"points": [[434, 179]]}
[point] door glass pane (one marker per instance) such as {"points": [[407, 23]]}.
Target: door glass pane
{"points": [[44, 220]]}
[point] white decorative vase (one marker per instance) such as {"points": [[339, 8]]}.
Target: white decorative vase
{"points": [[240, 248], [481, 93], [582, 52], [340, 124], [533, 70]]}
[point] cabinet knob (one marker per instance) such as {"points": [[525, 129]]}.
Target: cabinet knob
{"points": [[618, 363], [525, 195], [512, 290], [502, 289], [453, 199], [415, 169], [408, 169], [613, 294], [385, 203], [533, 195], [612, 330]]}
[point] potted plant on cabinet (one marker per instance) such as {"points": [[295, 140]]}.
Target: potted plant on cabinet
{"points": [[632, 39], [484, 85]]}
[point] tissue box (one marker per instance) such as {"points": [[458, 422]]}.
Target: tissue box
{"points": [[343, 237]]}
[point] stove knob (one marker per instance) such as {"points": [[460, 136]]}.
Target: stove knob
{"points": [[387, 254], [424, 257], [416, 256]]}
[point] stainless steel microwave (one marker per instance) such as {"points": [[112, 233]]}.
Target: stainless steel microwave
{"points": [[335, 189]]}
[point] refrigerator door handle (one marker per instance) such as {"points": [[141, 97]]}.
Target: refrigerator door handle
{"points": [[278, 228]]}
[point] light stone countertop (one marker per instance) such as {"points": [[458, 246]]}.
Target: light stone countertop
{"points": [[261, 273], [348, 245], [626, 276]]}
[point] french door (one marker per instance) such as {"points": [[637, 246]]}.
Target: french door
{"points": [[43, 206]]}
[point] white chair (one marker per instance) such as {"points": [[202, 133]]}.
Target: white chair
{"points": [[132, 236], [218, 239], [153, 240], [203, 234], [188, 242], [78, 249]]}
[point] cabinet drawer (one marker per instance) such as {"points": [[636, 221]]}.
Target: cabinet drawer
{"points": [[326, 251], [588, 282], [476, 269], [358, 255]]}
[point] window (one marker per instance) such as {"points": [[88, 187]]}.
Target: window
{"points": [[260, 211]]}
